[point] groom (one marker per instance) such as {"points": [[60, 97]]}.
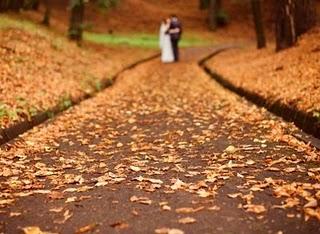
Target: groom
{"points": [[175, 31]]}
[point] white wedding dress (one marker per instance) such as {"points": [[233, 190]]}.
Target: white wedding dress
{"points": [[165, 45]]}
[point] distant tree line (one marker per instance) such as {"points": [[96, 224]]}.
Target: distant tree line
{"points": [[77, 10], [16, 5], [292, 18]]}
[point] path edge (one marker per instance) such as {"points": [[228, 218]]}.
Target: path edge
{"points": [[309, 125], [14, 131]]}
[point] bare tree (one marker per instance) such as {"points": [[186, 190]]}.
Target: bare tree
{"points": [[305, 15], [286, 35], [76, 20], [214, 9], [258, 22], [293, 18], [203, 4], [47, 13]]}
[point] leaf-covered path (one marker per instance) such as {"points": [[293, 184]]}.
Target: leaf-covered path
{"points": [[165, 150]]}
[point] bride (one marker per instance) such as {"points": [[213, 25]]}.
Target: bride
{"points": [[165, 42]]}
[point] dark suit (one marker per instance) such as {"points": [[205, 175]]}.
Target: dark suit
{"points": [[175, 37]]}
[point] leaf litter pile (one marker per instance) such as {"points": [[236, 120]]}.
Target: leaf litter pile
{"points": [[291, 77], [40, 70], [164, 150]]}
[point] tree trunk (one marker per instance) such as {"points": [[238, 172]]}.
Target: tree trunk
{"points": [[47, 13], [35, 5], [214, 8], [293, 18], [286, 35], [76, 21], [305, 15], [16, 5], [203, 4], [3, 5], [258, 22]]}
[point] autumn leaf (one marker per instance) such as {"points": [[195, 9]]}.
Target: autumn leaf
{"points": [[141, 200], [119, 225], [134, 168], [231, 149], [235, 195], [86, 228], [257, 209], [54, 195], [34, 230], [187, 210], [168, 231], [178, 184], [187, 220]]}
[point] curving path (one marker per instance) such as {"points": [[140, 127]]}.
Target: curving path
{"points": [[164, 150]]}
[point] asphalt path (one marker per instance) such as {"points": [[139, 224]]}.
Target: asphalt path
{"points": [[164, 150]]}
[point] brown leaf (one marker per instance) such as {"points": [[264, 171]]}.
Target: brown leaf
{"points": [[257, 209], [187, 220], [6, 202], [119, 225], [168, 231], [134, 168], [187, 210], [54, 195], [178, 184], [231, 149], [235, 195], [250, 162], [86, 228], [310, 212], [204, 193], [142, 200], [56, 210], [311, 204], [34, 230]]}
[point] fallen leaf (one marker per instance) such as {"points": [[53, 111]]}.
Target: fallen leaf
{"points": [[154, 181], [311, 204], [257, 209], [87, 228], [235, 195], [168, 231], [15, 214], [187, 220], [250, 162], [54, 195], [6, 202], [119, 225], [166, 208], [71, 199], [310, 212], [214, 208], [275, 169], [204, 193], [178, 184], [134, 168], [34, 230], [56, 210], [187, 210], [230, 149], [142, 200]]}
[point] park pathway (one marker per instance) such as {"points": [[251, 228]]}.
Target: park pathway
{"points": [[164, 150]]}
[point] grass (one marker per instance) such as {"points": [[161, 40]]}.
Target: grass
{"points": [[141, 40], [9, 22], [57, 41]]}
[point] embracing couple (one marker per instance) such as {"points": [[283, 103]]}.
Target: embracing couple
{"points": [[170, 34]]}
